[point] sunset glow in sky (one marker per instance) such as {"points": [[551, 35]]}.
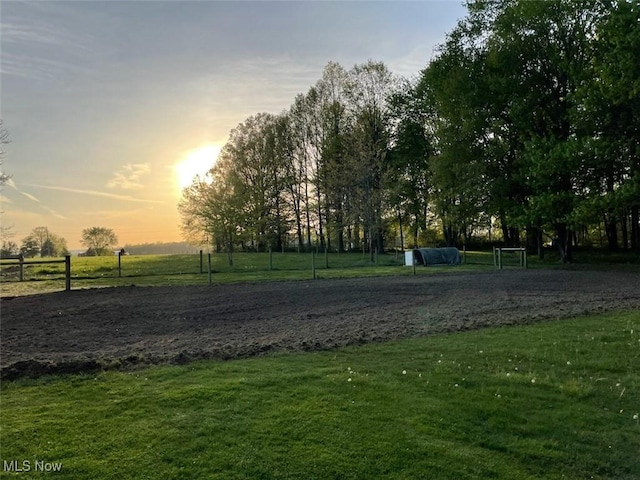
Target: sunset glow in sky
{"points": [[113, 107]]}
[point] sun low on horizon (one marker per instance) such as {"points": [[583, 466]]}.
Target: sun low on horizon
{"points": [[196, 162]]}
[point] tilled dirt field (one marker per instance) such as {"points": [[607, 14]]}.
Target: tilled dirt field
{"points": [[87, 330]]}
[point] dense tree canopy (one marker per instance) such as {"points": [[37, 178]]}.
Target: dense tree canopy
{"points": [[524, 128]]}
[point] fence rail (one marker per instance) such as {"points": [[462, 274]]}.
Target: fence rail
{"points": [[20, 260]]}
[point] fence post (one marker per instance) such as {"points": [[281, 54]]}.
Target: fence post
{"points": [[326, 257], [201, 262], [67, 272], [21, 268], [464, 254], [270, 258], [413, 262], [119, 264], [209, 266], [313, 264], [499, 258]]}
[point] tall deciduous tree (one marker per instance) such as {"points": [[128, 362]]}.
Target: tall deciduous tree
{"points": [[257, 175], [326, 126], [610, 122], [505, 85], [552, 42], [369, 92], [456, 91], [408, 168]]}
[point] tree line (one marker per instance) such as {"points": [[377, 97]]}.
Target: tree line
{"points": [[523, 129], [42, 242]]}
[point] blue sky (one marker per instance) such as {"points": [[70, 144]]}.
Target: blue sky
{"points": [[102, 99]]}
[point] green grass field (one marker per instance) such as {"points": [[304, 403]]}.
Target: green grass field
{"points": [[552, 400], [150, 270]]}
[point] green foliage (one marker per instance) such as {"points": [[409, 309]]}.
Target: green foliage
{"points": [[527, 117], [99, 240], [44, 243], [536, 117], [9, 248], [30, 247], [316, 171], [553, 400]]}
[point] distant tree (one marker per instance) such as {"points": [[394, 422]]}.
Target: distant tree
{"points": [[54, 246], [9, 248], [41, 241], [30, 247], [41, 235], [48, 249], [99, 239]]}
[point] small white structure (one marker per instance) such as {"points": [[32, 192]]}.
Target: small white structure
{"points": [[408, 258]]}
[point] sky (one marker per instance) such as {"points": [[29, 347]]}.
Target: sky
{"points": [[112, 106]]}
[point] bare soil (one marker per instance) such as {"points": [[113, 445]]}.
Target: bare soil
{"points": [[88, 330]]}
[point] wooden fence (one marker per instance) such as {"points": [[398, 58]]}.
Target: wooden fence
{"points": [[497, 255], [20, 260]]}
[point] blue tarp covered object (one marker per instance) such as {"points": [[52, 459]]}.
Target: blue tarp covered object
{"points": [[437, 256]]}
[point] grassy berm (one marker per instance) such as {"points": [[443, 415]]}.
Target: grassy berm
{"points": [[552, 400]]}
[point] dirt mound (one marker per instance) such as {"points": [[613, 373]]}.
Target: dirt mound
{"points": [[89, 330]]}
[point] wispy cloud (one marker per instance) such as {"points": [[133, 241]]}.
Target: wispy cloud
{"points": [[47, 42], [54, 213], [97, 193], [13, 185], [35, 199], [128, 178]]}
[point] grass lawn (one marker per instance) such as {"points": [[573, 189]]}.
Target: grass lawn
{"points": [[552, 400]]}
